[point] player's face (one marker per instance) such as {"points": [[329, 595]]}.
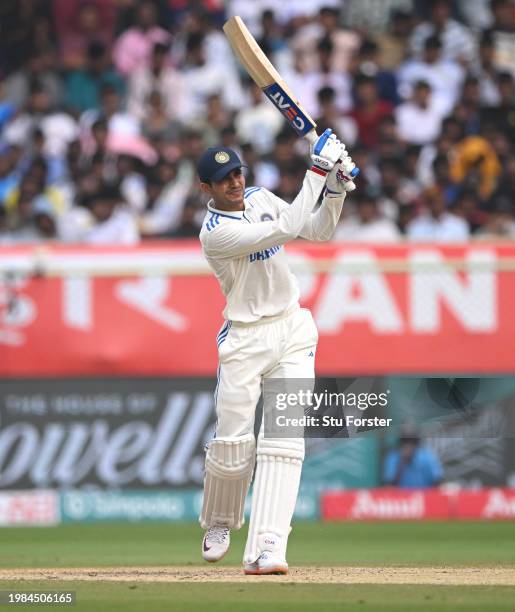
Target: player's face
{"points": [[228, 193]]}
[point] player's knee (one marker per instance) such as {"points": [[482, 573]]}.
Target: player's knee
{"points": [[291, 449], [228, 457]]}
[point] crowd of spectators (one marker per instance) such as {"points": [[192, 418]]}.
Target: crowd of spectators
{"points": [[105, 106]]}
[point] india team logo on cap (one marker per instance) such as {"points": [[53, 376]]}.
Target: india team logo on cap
{"points": [[222, 157]]}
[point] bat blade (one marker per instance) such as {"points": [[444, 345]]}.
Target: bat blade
{"points": [[267, 78]]}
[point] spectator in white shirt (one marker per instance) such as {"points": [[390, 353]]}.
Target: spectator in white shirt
{"points": [[458, 41], [436, 224], [159, 76], [419, 120], [105, 220], [345, 42], [444, 76], [258, 122], [325, 75], [202, 79], [367, 224]]}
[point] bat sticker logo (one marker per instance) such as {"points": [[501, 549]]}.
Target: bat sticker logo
{"points": [[289, 109]]}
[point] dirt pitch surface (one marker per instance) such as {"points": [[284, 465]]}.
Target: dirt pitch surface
{"points": [[319, 575]]}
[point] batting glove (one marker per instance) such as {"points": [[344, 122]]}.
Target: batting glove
{"points": [[327, 150], [339, 180]]}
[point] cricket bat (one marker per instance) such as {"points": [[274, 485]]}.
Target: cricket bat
{"points": [[269, 80]]}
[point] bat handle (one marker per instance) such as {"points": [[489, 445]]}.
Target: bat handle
{"points": [[312, 136]]}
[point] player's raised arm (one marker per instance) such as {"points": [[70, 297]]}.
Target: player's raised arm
{"points": [[222, 238], [321, 224]]}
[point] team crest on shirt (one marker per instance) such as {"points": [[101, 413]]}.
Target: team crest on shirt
{"points": [[266, 217], [222, 157]]}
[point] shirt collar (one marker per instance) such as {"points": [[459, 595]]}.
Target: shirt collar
{"points": [[233, 214]]}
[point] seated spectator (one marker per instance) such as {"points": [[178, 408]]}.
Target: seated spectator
{"points": [[458, 41], [44, 219], [88, 24], [368, 61], [104, 219], [133, 49], [506, 184], [411, 465], [436, 224], [217, 121], [168, 189], [369, 110], [393, 42], [37, 73], [203, 79], [443, 180], [161, 77], [411, 187], [502, 115], [324, 75], [467, 110], [331, 117], [110, 111], [475, 161], [258, 122], [444, 76], [502, 14], [406, 214], [83, 85], [420, 119], [345, 42], [156, 125], [367, 225], [20, 219], [485, 70], [451, 133], [393, 186], [283, 159], [500, 224], [272, 38]]}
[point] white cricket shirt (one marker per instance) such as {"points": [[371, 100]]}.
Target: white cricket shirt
{"points": [[245, 248]]}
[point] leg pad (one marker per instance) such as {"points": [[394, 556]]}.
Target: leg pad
{"points": [[276, 486], [229, 466]]}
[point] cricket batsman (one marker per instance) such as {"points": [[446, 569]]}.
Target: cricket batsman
{"points": [[265, 335]]}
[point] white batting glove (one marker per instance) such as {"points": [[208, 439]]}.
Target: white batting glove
{"points": [[327, 150], [339, 180]]}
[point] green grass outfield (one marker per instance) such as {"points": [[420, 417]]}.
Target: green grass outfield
{"points": [[311, 544]]}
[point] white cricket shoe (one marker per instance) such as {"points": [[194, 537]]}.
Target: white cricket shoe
{"points": [[267, 563], [216, 543]]}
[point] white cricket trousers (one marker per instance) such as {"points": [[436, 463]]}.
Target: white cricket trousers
{"points": [[279, 347]]}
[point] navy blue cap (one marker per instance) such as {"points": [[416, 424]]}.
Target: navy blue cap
{"points": [[216, 163]]}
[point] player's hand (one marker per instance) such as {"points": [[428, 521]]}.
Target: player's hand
{"points": [[339, 180], [327, 150]]}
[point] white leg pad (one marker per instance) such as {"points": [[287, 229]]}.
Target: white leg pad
{"points": [[276, 486], [229, 466]]}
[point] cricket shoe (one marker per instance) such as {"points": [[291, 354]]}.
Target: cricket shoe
{"points": [[267, 563], [216, 543]]}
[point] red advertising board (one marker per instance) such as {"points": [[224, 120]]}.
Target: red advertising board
{"points": [[156, 309], [384, 505], [38, 507], [428, 504], [486, 504]]}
